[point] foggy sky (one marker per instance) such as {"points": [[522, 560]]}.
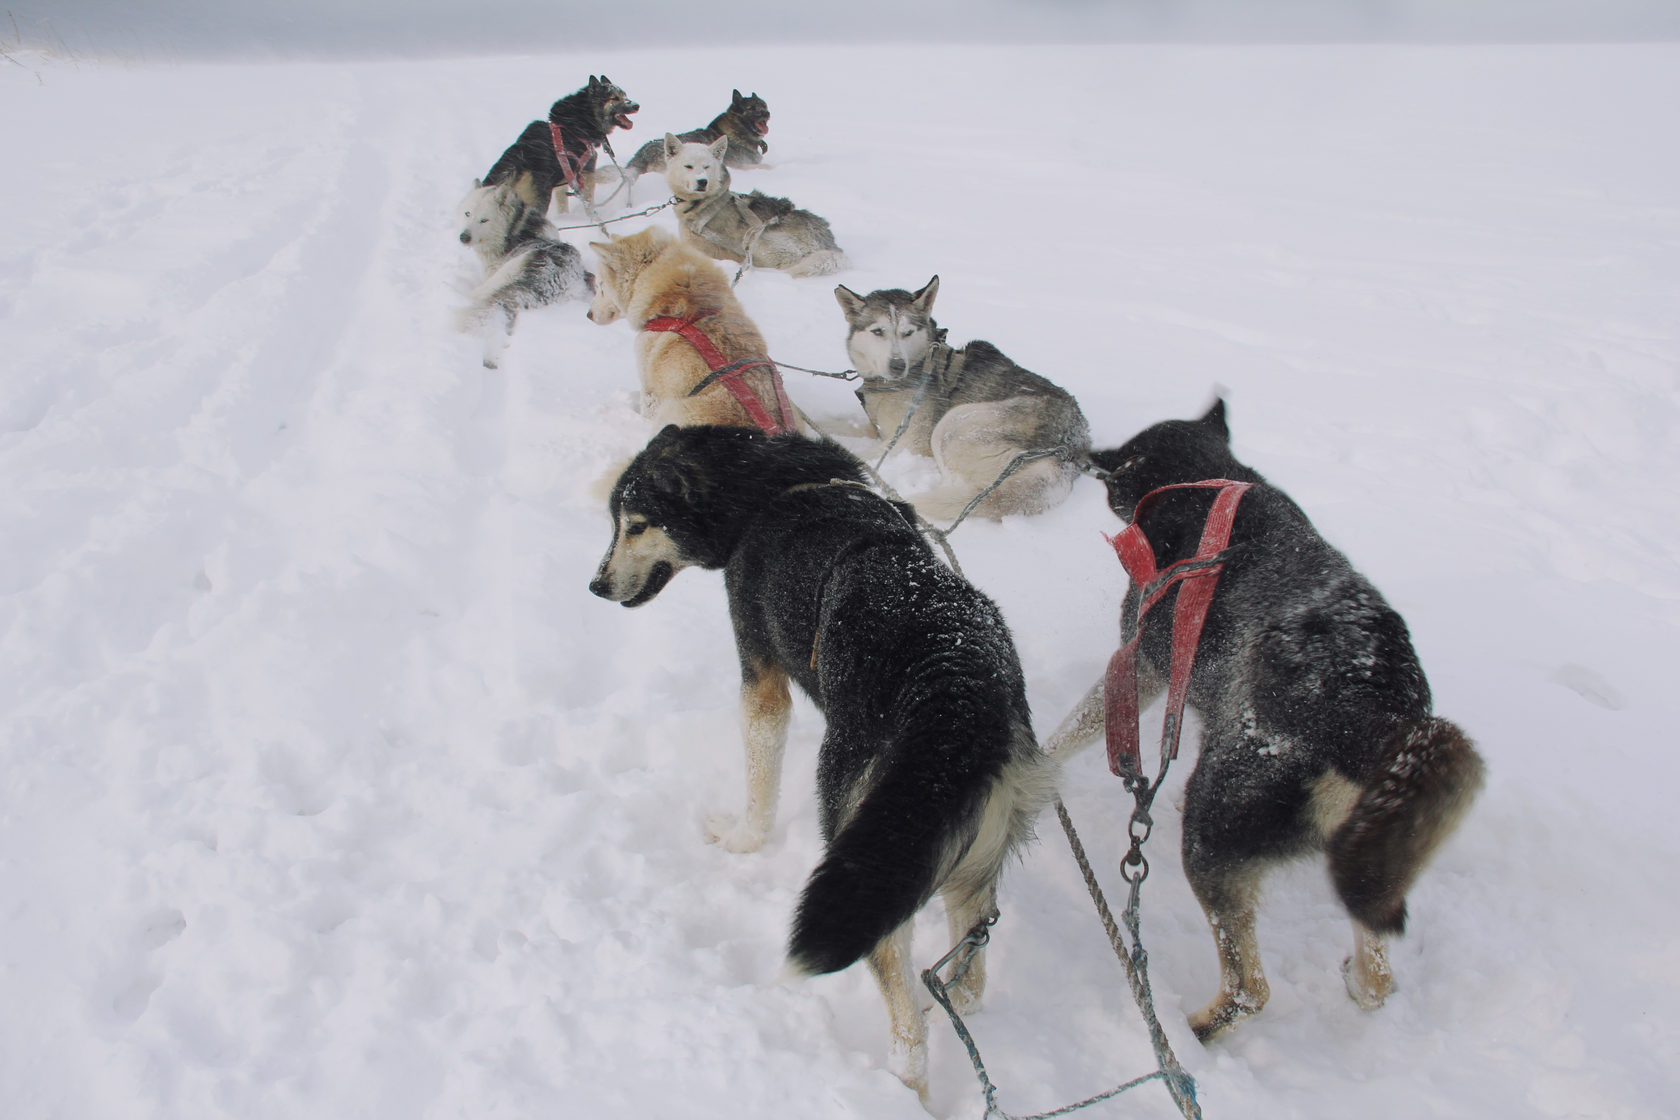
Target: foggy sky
{"points": [[292, 28]]}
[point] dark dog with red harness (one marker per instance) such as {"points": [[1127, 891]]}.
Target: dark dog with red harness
{"points": [[1317, 733], [559, 154]]}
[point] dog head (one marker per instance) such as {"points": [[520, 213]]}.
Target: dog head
{"points": [[695, 171], [889, 332], [1170, 452], [487, 213], [751, 111], [622, 260], [661, 512], [612, 105]]}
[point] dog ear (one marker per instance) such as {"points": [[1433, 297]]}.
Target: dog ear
{"points": [[1215, 418], [720, 147], [477, 183], [850, 302], [672, 145], [923, 300], [735, 98]]}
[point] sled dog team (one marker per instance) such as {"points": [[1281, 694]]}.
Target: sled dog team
{"points": [[1317, 730]]}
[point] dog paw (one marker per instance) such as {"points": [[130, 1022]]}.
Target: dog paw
{"points": [[965, 999], [908, 1061], [734, 834], [1225, 1012], [1369, 988]]}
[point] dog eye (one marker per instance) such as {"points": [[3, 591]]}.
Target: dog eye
{"points": [[908, 333], [481, 221], [878, 332], [635, 530]]}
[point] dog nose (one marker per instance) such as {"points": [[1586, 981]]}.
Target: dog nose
{"points": [[590, 315], [699, 184], [600, 587], [466, 238], [897, 366]]}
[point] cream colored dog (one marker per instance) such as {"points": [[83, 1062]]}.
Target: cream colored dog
{"points": [[650, 276]]}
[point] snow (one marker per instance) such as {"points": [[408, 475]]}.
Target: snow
{"points": [[326, 788]]}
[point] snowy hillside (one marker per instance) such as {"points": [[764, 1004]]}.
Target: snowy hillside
{"points": [[327, 790]]}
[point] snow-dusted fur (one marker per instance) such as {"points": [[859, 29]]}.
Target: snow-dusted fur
{"points": [[929, 777], [1316, 726], [767, 232], [977, 412], [649, 275], [525, 263]]}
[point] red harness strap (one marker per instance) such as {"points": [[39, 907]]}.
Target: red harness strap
{"points": [[1200, 575], [730, 373], [570, 166]]}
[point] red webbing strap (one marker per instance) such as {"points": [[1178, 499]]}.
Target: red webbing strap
{"points": [[569, 167], [1200, 575], [731, 374]]}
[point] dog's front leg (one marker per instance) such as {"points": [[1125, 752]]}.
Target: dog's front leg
{"points": [[765, 709], [1086, 724], [1080, 728]]}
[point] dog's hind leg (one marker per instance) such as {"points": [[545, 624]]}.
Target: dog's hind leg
{"points": [[823, 262], [766, 706], [907, 1057], [1366, 973], [1229, 901], [966, 906]]}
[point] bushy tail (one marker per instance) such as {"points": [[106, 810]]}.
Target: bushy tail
{"points": [[917, 832], [1428, 778], [885, 862]]}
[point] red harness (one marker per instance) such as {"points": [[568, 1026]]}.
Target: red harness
{"points": [[570, 166], [1200, 575], [730, 374]]}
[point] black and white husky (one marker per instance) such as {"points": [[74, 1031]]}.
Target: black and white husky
{"points": [[525, 263], [1317, 733], [973, 410], [929, 776]]}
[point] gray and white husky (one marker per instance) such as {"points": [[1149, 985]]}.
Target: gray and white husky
{"points": [[756, 228], [972, 409], [525, 263], [1317, 729]]}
